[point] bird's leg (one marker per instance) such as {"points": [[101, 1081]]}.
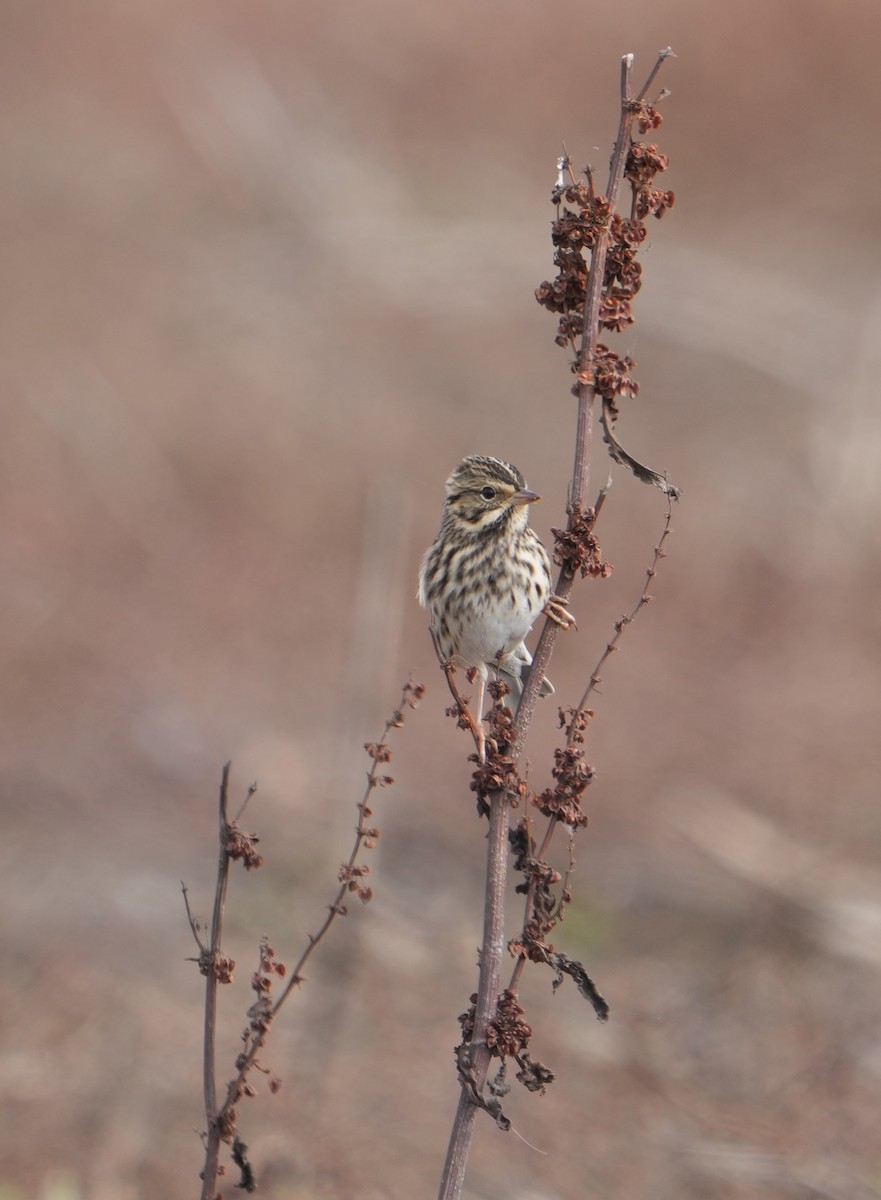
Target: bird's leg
{"points": [[477, 712], [558, 613]]}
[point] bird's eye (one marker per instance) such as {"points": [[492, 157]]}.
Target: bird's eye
{"points": [[488, 493]]}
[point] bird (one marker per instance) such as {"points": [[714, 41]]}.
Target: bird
{"points": [[486, 577]]}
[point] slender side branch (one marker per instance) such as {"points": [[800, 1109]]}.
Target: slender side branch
{"points": [[350, 874], [666, 53], [578, 716], [235, 844], [628, 618]]}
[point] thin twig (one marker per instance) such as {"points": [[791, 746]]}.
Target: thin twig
{"points": [[212, 1144], [194, 924], [664, 54], [248, 794], [627, 619]]}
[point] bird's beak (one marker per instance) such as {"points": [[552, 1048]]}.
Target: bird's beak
{"points": [[524, 496]]}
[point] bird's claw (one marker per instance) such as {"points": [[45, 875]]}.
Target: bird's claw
{"points": [[559, 614]]}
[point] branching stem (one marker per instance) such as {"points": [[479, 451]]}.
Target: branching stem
{"points": [[221, 1122], [497, 840], [497, 844]]}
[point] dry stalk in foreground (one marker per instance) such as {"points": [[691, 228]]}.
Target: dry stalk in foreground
{"points": [[599, 275], [238, 846]]}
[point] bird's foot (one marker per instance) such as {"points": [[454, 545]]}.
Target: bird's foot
{"points": [[559, 614]]}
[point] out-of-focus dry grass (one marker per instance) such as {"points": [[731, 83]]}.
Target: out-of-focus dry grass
{"points": [[268, 273]]}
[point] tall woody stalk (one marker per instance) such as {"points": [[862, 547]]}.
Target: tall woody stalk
{"points": [[493, 946]]}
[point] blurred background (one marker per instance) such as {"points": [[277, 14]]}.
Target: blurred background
{"points": [[268, 274]]}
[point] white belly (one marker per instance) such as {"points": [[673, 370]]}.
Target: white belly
{"points": [[498, 626]]}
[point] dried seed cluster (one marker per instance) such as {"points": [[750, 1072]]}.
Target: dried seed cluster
{"points": [[260, 1013], [242, 847], [582, 219], [507, 1036], [577, 547]]}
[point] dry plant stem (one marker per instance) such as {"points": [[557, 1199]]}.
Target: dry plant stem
{"points": [[488, 989], [490, 956], [218, 1120], [212, 1143], [453, 1177], [586, 394]]}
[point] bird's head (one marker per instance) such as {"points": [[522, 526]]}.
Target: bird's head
{"points": [[483, 491]]}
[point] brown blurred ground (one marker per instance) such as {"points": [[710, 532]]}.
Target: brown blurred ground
{"points": [[268, 272]]}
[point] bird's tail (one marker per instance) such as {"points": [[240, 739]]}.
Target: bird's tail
{"points": [[515, 669]]}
